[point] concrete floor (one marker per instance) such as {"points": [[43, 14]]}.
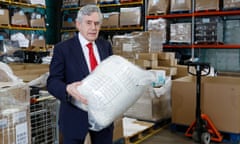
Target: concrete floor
{"points": [[167, 136]]}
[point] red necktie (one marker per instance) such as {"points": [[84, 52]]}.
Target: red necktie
{"points": [[92, 58]]}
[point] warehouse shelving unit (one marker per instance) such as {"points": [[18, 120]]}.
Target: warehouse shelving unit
{"points": [[105, 31], [221, 51], [199, 14], [9, 27]]}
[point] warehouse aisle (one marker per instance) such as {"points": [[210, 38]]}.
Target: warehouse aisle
{"points": [[166, 136]]}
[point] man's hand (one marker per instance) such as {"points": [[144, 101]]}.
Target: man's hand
{"points": [[72, 90]]}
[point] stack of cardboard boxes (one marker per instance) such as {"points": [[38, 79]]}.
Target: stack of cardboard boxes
{"points": [[15, 124]]}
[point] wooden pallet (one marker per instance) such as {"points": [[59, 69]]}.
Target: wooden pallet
{"points": [[136, 131]]}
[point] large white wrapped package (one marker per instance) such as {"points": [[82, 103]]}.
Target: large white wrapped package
{"points": [[111, 89]]}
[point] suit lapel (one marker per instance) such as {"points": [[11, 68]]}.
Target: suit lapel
{"points": [[78, 54]]}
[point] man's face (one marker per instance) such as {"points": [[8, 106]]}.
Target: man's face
{"points": [[89, 27]]}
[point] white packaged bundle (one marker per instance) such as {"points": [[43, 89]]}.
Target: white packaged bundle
{"points": [[111, 89]]}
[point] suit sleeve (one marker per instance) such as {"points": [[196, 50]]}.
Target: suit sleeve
{"points": [[56, 84]]}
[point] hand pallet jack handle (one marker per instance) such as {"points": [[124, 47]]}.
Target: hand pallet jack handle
{"points": [[202, 129], [199, 67]]}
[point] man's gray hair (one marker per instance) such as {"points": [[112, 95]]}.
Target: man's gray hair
{"points": [[88, 10]]}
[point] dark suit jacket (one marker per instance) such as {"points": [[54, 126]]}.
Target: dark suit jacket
{"points": [[68, 65]]}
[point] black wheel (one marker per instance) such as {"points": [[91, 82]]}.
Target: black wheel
{"points": [[205, 138], [195, 136]]}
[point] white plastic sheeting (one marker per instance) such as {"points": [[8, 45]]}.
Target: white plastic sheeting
{"points": [[111, 89]]}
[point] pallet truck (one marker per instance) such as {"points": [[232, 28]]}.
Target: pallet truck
{"points": [[202, 130]]}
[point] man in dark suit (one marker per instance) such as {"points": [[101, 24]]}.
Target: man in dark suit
{"points": [[70, 64]]}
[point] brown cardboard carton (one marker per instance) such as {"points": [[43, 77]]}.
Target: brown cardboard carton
{"points": [[230, 4], [130, 16], [15, 124], [18, 91], [19, 19], [67, 24], [221, 96], [182, 71], [4, 16], [37, 22], [38, 43], [183, 100], [84, 2], [207, 5], [110, 19], [180, 5], [158, 6]]}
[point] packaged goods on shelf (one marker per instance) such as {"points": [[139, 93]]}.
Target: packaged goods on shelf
{"points": [[231, 4], [157, 7], [128, 45], [231, 32], [69, 19], [37, 20], [19, 19], [208, 30], [70, 3], [157, 34], [4, 16], [180, 33], [206, 5], [130, 16], [180, 5], [67, 35], [38, 2], [85, 2], [110, 19], [21, 38], [156, 40], [157, 24], [108, 1]]}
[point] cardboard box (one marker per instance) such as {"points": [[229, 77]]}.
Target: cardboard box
{"points": [[85, 2], [181, 5], [4, 16], [28, 71], [19, 19], [110, 19], [18, 91], [183, 94], [38, 43], [180, 33], [207, 5], [130, 16], [221, 96], [147, 56], [220, 101], [37, 22], [158, 6], [68, 24], [231, 4], [15, 123]]}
